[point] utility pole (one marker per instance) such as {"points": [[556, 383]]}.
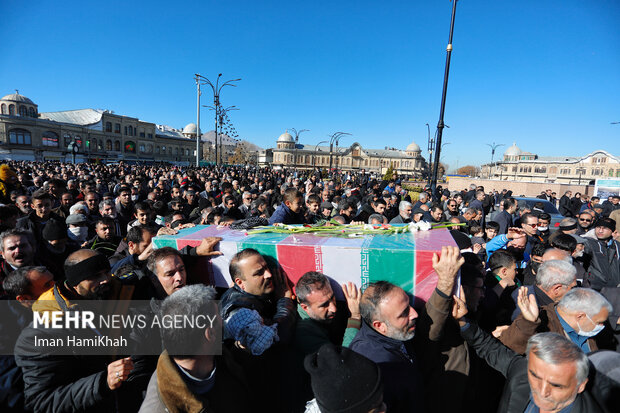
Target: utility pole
{"points": [[440, 124]]}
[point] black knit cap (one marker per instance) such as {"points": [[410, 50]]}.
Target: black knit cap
{"points": [[54, 230], [607, 223], [344, 381]]}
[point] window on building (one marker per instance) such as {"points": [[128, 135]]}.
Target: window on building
{"points": [[100, 145], [78, 140], [617, 173], [130, 147], [150, 136], [49, 138], [157, 149], [611, 172], [23, 111], [3, 109], [142, 148], [67, 139], [117, 128], [117, 146], [20, 137], [125, 130], [12, 110], [108, 126], [87, 145], [186, 152], [149, 148], [540, 169], [108, 145], [31, 112], [142, 134]]}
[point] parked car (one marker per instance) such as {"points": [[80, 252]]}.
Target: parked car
{"points": [[547, 207]]}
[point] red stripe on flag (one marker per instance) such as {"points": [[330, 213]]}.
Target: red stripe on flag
{"points": [[296, 260]]}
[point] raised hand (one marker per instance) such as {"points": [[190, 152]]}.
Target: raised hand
{"points": [[528, 305], [446, 267], [459, 307], [515, 233], [353, 296]]}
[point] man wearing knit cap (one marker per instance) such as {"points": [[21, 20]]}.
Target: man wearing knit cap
{"points": [[344, 382], [604, 270], [57, 383]]}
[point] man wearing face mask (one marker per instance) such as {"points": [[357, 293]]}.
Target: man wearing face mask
{"points": [[580, 315], [77, 227], [604, 251], [55, 248]]}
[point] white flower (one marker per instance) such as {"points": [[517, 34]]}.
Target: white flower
{"points": [[412, 227], [424, 226], [368, 227]]}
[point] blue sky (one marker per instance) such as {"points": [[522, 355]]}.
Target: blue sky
{"points": [[545, 74]]}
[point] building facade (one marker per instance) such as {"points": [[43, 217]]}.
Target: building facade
{"points": [[101, 135], [290, 154], [518, 165]]}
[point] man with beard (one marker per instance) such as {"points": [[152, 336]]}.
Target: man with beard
{"points": [[584, 222], [17, 251], [388, 327], [604, 269], [55, 383], [124, 209], [320, 320], [107, 208], [66, 202], [452, 209], [23, 204], [105, 241]]}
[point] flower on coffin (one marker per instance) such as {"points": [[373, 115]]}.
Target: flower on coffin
{"points": [[419, 226]]}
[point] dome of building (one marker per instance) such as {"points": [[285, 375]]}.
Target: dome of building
{"points": [[286, 137], [413, 147], [190, 129], [513, 150], [16, 97]]}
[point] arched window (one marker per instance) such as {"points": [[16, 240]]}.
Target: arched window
{"points": [[169, 151], [108, 126], [100, 145], [12, 110], [49, 138], [20, 137], [117, 146], [149, 148], [3, 109], [130, 147], [176, 151], [142, 148], [23, 111], [67, 139], [108, 145], [157, 149], [31, 112]]}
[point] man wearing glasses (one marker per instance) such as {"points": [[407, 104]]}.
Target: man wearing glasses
{"points": [[584, 223]]}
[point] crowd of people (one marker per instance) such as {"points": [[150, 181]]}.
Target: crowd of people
{"points": [[524, 317]]}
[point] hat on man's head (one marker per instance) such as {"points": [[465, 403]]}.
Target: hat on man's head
{"points": [[76, 219], [344, 381], [418, 211], [54, 230], [327, 205], [607, 223]]}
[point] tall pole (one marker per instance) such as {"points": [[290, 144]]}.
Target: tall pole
{"points": [[334, 138], [430, 153], [198, 121], [217, 111], [314, 155], [440, 124]]}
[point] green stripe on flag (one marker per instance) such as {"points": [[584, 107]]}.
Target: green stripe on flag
{"points": [[392, 259]]}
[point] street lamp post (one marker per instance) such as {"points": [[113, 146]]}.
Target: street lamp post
{"points": [[334, 138], [297, 133], [220, 113], [314, 155], [217, 88], [494, 146], [440, 124]]}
